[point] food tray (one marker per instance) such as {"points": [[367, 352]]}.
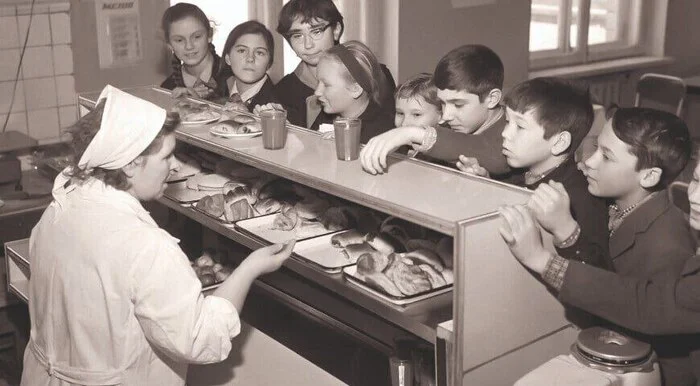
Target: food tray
{"points": [[261, 227], [321, 253], [350, 273], [179, 192], [185, 171]]}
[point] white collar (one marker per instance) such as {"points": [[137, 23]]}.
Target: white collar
{"points": [[190, 79], [249, 93]]}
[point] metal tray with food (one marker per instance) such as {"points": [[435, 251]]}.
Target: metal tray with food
{"points": [[281, 227], [369, 285], [322, 253]]}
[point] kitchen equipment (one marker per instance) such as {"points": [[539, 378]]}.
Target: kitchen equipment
{"points": [[10, 166], [599, 357]]}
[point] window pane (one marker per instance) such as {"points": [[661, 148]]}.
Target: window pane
{"points": [[606, 21], [223, 15], [545, 18]]}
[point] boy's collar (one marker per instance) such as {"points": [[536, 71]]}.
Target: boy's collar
{"points": [[494, 116]]}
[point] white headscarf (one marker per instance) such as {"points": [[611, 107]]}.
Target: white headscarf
{"points": [[128, 126]]}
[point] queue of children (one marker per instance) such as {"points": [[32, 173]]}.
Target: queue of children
{"points": [[460, 116]]}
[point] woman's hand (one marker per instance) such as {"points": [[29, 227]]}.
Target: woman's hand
{"points": [[268, 259], [373, 155], [200, 91], [523, 237]]}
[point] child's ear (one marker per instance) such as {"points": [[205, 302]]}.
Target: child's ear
{"points": [[227, 59], [561, 143], [650, 177], [337, 30], [493, 99], [355, 90]]}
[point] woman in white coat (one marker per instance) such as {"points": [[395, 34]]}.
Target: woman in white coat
{"points": [[112, 298]]}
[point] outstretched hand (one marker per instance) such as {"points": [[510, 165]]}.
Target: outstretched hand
{"points": [[270, 258], [373, 156], [470, 165], [521, 233]]}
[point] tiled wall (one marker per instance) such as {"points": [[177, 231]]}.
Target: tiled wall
{"points": [[45, 97]]}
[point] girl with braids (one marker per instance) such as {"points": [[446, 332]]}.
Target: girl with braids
{"points": [[195, 64], [351, 84]]}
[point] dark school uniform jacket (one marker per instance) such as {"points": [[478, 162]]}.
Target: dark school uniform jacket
{"points": [[217, 73], [485, 147], [375, 120], [589, 211], [662, 304], [265, 95], [292, 94], [654, 237]]}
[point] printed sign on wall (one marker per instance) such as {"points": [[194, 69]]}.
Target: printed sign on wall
{"points": [[118, 32]]}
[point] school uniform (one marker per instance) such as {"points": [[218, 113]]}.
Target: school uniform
{"points": [[213, 77], [589, 211], [653, 237], [375, 120], [485, 147], [261, 93], [292, 94]]}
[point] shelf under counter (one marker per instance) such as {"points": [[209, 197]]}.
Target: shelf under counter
{"points": [[420, 318]]}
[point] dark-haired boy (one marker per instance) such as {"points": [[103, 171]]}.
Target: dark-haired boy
{"points": [[469, 81], [640, 152]]}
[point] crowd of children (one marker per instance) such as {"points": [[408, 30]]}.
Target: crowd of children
{"points": [[610, 211]]}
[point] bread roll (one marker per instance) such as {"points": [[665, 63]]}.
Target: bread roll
{"points": [[382, 283], [341, 240], [435, 277], [354, 251], [409, 279], [287, 219], [241, 192], [239, 210], [425, 256], [369, 263], [212, 205], [267, 206]]}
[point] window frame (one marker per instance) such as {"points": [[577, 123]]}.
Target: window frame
{"points": [[584, 53]]}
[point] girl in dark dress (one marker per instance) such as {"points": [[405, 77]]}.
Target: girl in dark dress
{"points": [[311, 27], [195, 64], [248, 54], [351, 84]]}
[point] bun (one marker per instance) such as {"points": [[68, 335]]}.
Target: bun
{"points": [[241, 192], [212, 205], [243, 119], [341, 240], [238, 210], [267, 206], [287, 219]]}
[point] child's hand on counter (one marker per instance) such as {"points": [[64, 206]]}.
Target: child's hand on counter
{"points": [[373, 155], [470, 165], [521, 233], [550, 205]]}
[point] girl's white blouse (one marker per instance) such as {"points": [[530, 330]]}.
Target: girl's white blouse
{"points": [[113, 299]]}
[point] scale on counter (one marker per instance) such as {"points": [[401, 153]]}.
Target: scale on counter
{"points": [[12, 142]]}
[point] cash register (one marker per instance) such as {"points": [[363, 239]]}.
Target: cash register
{"points": [[12, 142]]}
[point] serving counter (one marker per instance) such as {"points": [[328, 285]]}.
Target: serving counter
{"points": [[504, 322]]}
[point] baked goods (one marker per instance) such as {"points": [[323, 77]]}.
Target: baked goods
{"points": [[312, 207], [238, 210], [341, 240], [190, 111], [354, 251], [210, 268], [383, 283], [267, 206], [212, 205], [410, 279], [425, 256], [287, 219], [243, 119]]}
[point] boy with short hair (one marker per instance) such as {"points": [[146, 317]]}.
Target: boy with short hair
{"points": [[547, 120], [417, 103], [640, 152], [469, 81]]}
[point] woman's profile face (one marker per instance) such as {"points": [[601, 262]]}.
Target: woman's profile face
{"points": [[310, 40], [334, 92], [147, 174], [249, 58], [189, 40]]}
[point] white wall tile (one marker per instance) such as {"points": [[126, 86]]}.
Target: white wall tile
{"points": [[8, 32], [40, 33], [43, 124], [9, 60], [26, 9], [40, 93], [62, 59], [59, 7], [37, 62], [65, 89], [6, 97], [67, 115], [17, 122], [60, 28]]}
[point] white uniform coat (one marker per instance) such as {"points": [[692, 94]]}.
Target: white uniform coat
{"points": [[113, 300]]}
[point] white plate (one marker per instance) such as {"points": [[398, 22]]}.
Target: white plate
{"points": [[262, 228], [216, 117], [322, 253], [234, 135], [179, 192], [350, 273]]}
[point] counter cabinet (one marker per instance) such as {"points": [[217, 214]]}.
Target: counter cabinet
{"points": [[503, 321]]}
